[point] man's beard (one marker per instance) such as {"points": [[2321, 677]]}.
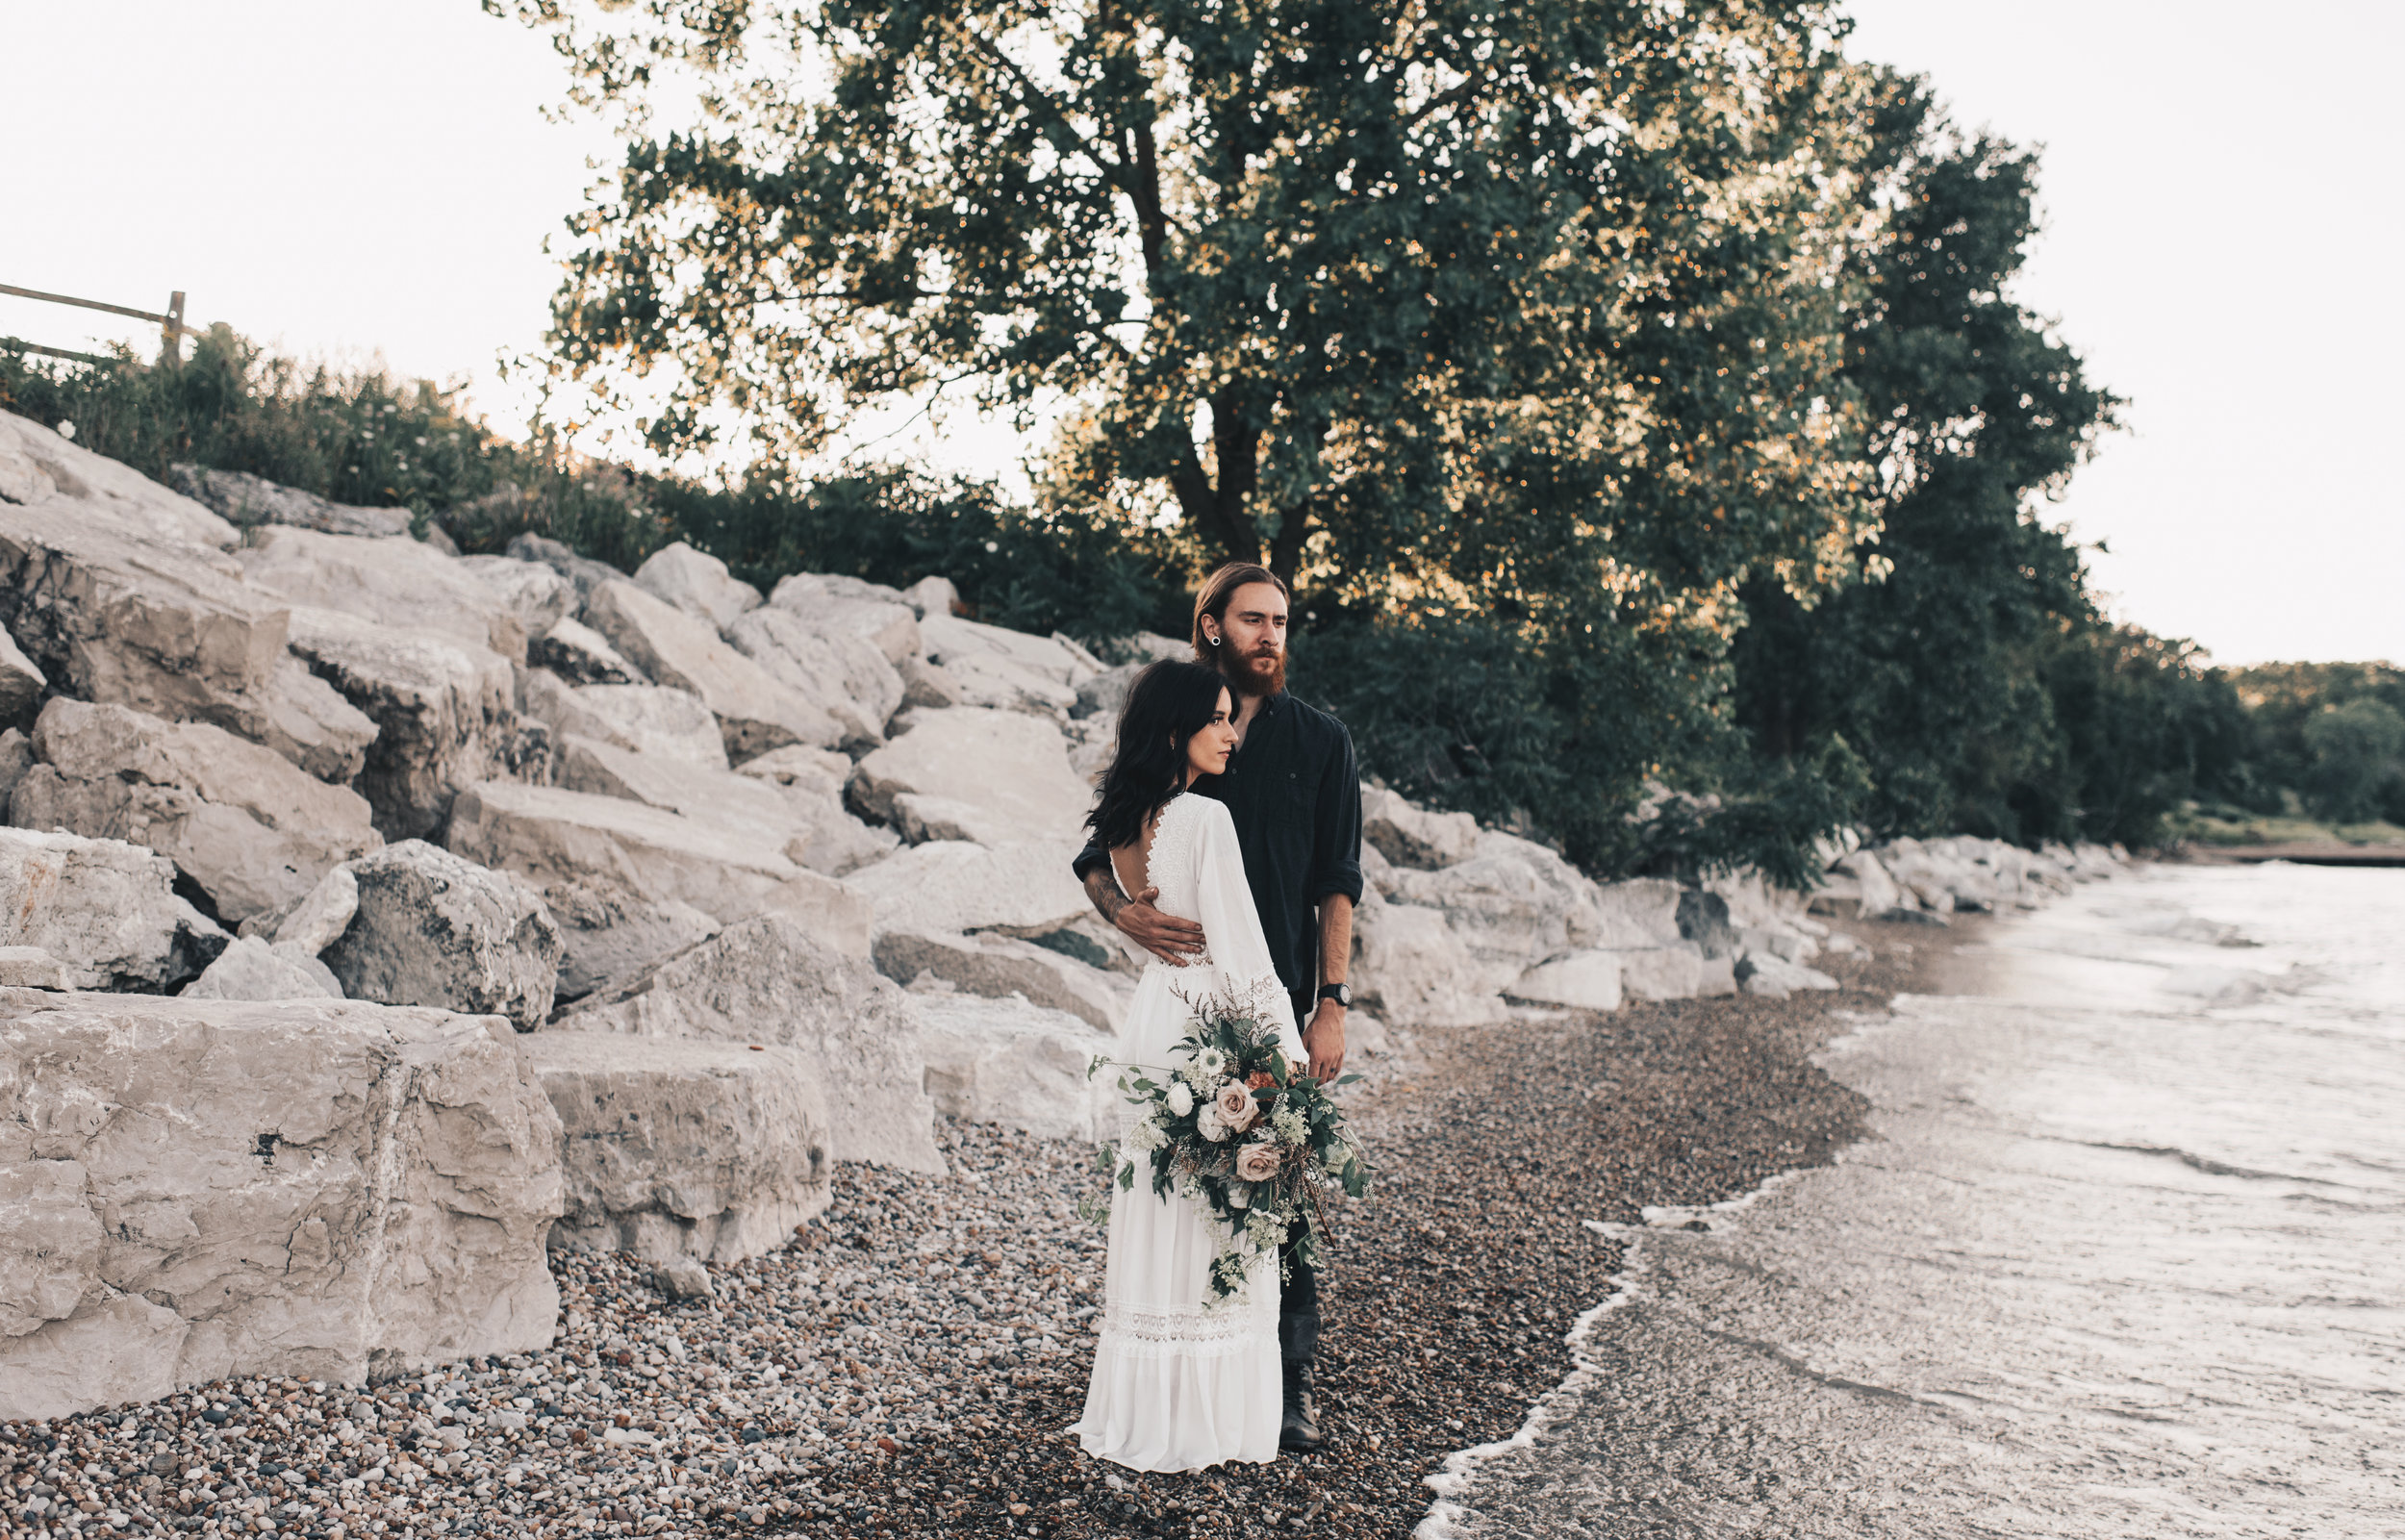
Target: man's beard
{"points": [[1260, 674]]}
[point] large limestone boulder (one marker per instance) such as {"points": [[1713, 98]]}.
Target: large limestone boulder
{"points": [[610, 934], [433, 928], [21, 681], [999, 967], [40, 469], [679, 1146], [580, 655], [950, 885], [167, 628], [1675, 972], [193, 1190], [1415, 971], [651, 719], [1637, 912], [531, 593], [841, 671], [756, 712], [948, 639], [547, 835], [769, 980], [400, 583], [814, 832], [1582, 980], [1017, 1064], [442, 708], [716, 796], [254, 969], [696, 583], [993, 776], [246, 500], [811, 782], [1007, 671], [1776, 978], [317, 921], [835, 604], [1106, 695], [250, 828], [1512, 904], [1410, 835], [583, 573], [103, 910]]}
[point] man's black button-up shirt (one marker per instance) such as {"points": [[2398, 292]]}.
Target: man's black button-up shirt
{"points": [[1294, 797]]}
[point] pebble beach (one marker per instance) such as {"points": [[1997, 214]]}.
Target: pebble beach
{"points": [[906, 1364]]}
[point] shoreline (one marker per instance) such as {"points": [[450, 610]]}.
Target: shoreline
{"points": [[906, 1364], [1446, 1335]]}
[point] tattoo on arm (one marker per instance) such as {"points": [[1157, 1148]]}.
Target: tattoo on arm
{"points": [[1103, 888]]}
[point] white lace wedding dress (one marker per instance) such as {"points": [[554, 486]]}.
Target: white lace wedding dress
{"points": [[1177, 1387]]}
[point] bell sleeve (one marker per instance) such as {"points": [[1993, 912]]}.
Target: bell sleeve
{"points": [[1232, 927]]}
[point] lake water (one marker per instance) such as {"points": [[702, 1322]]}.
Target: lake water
{"points": [[2125, 1256]]}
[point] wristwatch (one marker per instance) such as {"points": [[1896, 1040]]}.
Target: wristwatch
{"points": [[1341, 994]]}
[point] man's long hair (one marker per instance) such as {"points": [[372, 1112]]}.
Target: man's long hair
{"points": [[1218, 591], [1169, 703]]}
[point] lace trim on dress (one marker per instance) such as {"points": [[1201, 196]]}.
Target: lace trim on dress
{"points": [[1180, 1331]]}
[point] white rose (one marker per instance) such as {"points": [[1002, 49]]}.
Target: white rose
{"points": [[1239, 1196], [1207, 1122], [1180, 1098]]}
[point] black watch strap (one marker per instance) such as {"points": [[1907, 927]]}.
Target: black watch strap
{"points": [[1341, 994]]}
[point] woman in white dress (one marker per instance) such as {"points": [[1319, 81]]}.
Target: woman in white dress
{"points": [[1177, 1385]]}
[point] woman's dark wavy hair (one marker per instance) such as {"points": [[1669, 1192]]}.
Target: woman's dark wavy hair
{"points": [[1169, 703]]}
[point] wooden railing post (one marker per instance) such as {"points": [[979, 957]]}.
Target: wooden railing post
{"points": [[171, 335]]}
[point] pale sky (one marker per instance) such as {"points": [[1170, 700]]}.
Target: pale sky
{"points": [[2220, 182]]}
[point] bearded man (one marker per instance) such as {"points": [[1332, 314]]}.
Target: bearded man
{"points": [[1294, 794]]}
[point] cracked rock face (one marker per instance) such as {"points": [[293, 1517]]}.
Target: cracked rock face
{"points": [[678, 1147], [103, 911], [1007, 774], [251, 829], [442, 706], [755, 711], [194, 1189], [770, 981], [696, 583], [434, 929]]}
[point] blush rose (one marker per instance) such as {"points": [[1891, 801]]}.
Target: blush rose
{"points": [[1237, 1107], [1256, 1163]]}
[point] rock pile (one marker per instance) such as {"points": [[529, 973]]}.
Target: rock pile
{"points": [[324, 818]]}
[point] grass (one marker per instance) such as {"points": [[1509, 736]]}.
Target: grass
{"points": [[2234, 826]]}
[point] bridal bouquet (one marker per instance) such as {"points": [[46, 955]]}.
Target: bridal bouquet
{"points": [[1236, 1127]]}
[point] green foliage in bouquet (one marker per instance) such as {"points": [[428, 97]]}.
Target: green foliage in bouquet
{"points": [[1237, 1127]]}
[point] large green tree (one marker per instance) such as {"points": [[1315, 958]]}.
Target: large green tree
{"points": [[1512, 330], [1435, 291], [1941, 663]]}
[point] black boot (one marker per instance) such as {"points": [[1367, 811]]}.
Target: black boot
{"points": [[1298, 1343]]}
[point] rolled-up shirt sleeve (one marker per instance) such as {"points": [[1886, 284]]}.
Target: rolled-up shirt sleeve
{"points": [[1093, 857], [1336, 828]]}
